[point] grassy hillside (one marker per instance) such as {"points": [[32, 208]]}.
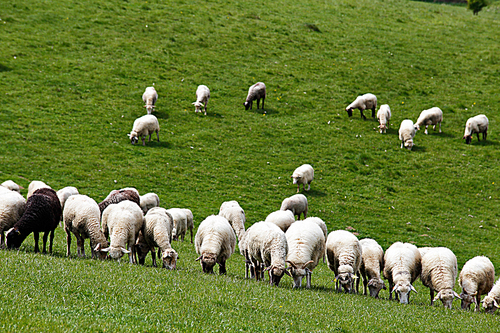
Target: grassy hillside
{"points": [[71, 80]]}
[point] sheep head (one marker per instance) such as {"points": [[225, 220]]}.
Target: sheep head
{"points": [[298, 272], [409, 144], [403, 290], [490, 304], [133, 137], [142, 250], [198, 105], [467, 300], [247, 105], [468, 139], [169, 257], [149, 108], [276, 272], [14, 238], [375, 285], [208, 261], [446, 296], [115, 252], [98, 250], [349, 111]]}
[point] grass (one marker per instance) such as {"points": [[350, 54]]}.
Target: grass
{"points": [[71, 80]]}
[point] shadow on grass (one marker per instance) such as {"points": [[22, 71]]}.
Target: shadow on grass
{"points": [[4, 68], [268, 111], [161, 114], [418, 149], [314, 193], [162, 144], [213, 115], [484, 143]]}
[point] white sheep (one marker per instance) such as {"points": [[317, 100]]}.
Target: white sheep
{"points": [[477, 124], [144, 126], [11, 185], [122, 222], [12, 206], [180, 223], [35, 185], [322, 226], [476, 279], [64, 193], [304, 175], [407, 133], [149, 97], [343, 256], [428, 117], [490, 302], [255, 92], [297, 204], [202, 97], [439, 272], [424, 250], [214, 242], [81, 216], [306, 245], [402, 266], [148, 201], [371, 265], [383, 116], [235, 215], [363, 102], [190, 222], [282, 218]]}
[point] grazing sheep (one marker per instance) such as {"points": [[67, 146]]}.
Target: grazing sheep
{"points": [[476, 279], [35, 185], [363, 102], [117, 196], [122, 222], [4, 190], [432, 116], [306, 245], [439, 272], [149, 97], [402, 266], [383, 116], [297, 204], [148, 201], [490, 302], [190, 222], [282, 218], [42, 214], [424, 250], [304, 174], [180, 223], [372, 264], [81, 217], [214, 242], [143, 127], [202, 97], [12, 206], [64, 193], [323, 227], [407, 133], [255, 92], [9, 184], [343, 256], [477, 124], [235, 215]]}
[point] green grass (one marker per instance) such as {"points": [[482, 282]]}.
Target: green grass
{"points": [[71, 80]]}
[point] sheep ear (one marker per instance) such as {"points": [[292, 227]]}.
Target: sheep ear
{"points": [[437, 296], [194, 103], [309, 262], [291, 264], [412, 288], [199, 258], [288, 273], [98, 247], [456, 295], [106, 249], [125, 250], [394, 289], [495, 304]]}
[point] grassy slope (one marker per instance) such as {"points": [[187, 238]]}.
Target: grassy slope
{"points": [[72, 76]]}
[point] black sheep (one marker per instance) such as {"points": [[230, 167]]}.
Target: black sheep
{"points": [[117, 196], [42, 214]]}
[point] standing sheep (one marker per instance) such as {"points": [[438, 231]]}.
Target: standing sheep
{"points": [[476, 279], [383, 116], [144, 126], [190, 222], [282, 218], [343, 256], [35, 185], [12, 206], [371, 265], [149, 98], [180, 223], [432, 116], [235, 215], [490, 302], [148, 201], [64, 193], [363, 102], [117, 196], [297, 204], [202, 97], [255, 92], [407, 133], [304, 175], [9, 184], [477, 124]]}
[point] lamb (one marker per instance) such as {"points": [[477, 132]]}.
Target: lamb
{"points": [[402, 266], [122, 222], [282, 218], [476, 279], [372, 264], [9, 184], [304, 174], [432, 116], [117, 196], [214, 242], [148, 201], [477, 124], [407, 133], [202, 97], [180, 223], [64, 193], [266, 244], [383, 116], [490, 302], [297, 204], [35, 185], [439, 272], [143, 127], [306, 245], [149, 97], [343, 256], [42, 214], [255, 92], [81, 217], [363, 102], [12, 206]]}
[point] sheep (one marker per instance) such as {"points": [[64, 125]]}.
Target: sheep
{"points": [[407, 133], [383, 116], [81, 216], [122, 222], [143, 127], [202, 97], [402, 266], [476, 279], [149, 97], [214, 242], [306, 245], [266, 244], [35, 185], [477, 124], [117, 196], [148, 201], [4, 190], [64, 193], [322, 226], [424, 250], [157, 232], [255, 92], [343, 256], [190, 223], [490, 302], [42, 214], [432, 116], [180, 223], [363, 102], [12, 206], [9, 184], [304, 174], [282, 218], [439, 272], [297, 204], [372, 263], [235, 215]]}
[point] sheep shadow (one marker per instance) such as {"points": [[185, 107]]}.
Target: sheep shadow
{"points": [[418, 149], [483, 142], [4, 68], [314, 193], [266, 111], [160, 114], [212, 115], [442, 134]]}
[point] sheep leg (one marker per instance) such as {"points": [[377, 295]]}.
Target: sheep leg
{"points": [[68, 241], [432, 296], [298, 188], [149, 137], [426, 132], [308, 277], [131, 255], [222, 267], [51, 240], [80, 246], [143, 142], [373, 112], [362, 115], [35, 236], [365, 284], [263, 99], [440, 127], [308, 186], [478, 136], [485, 133], [44, 239], [305, 214], [258, 102], [391, 286], [357, 284], [158, 135], [153, 255], [191, 231], [2, 241]]}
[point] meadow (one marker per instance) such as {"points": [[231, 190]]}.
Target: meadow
{"points": [[71, 79]]}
